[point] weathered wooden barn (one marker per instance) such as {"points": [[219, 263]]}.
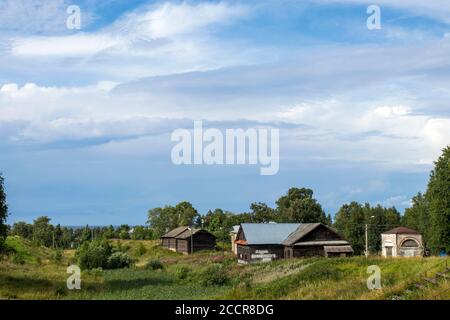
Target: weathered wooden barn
{"points": [[268, 241], [187, 240], [316, 239]]}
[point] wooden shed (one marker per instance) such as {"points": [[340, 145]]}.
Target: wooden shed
{"points": [[187, 240]]}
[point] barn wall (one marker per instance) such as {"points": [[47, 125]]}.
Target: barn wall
{"points": [[183, 246], [172, 244], [259, 253], [308, 251], [165, 242], [204, 241]]}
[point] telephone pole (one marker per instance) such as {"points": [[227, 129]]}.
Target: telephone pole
{"points": [[367, 242]]}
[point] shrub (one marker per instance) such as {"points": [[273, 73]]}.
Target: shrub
{"points": [[93, 254], [57, 256], [18, 258], [141, 250], [182, 272], [154, 265], [214, 274], [119, 260]]}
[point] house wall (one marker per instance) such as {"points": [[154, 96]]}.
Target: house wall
{"points": [[233, 237], [388, 241], [308, 251], [259, 253], [200, 241], [409, 252]]}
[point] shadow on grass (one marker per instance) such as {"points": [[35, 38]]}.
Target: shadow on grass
{"points": [[136, 280], [18, 282]]}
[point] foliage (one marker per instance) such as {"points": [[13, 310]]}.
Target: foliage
{"points": [[3, 214], [93, 254], [43, 231], [154, 264], [416, 217], [119, 260], [438, 200], [298, 205], [352, 218], [214, 275], [349, 221], [182, 272]]}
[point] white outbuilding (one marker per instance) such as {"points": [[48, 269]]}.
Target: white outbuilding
{"points": [[401, 242]]}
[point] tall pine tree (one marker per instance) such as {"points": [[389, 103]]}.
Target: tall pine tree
{"points": [[438, 199]]}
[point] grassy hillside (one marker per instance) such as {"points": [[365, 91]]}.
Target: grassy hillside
{"points": [[40, 273]]}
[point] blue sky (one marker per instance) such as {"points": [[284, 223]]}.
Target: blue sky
{"points": [[86, 115]]}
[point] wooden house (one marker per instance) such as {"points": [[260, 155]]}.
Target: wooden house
{"points": [[187, 240], [262, 241], [268, 241], [316, 239]]}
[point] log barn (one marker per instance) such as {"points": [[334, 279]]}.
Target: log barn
{"points": [[269, 241], [187, 240]]}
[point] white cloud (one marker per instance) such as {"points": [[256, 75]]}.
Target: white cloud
{"points": [[73, 45], [169, 20], [437, 9], [163, 21]]}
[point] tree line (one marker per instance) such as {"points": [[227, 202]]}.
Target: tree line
{"points": [[429, 214], [42, 232]]}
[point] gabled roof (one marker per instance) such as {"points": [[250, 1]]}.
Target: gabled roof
{"points": [[188, 232], [174, 232], [267, 233], [302, 230], [401, 230], [182, 232]]}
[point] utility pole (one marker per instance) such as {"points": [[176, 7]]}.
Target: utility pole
{"points": [[367, 237], [367, 242]]}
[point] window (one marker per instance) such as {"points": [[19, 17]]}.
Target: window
{"points": [[410, 244]]}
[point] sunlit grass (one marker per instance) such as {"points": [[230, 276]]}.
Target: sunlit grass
{"points": [[36, 275]]}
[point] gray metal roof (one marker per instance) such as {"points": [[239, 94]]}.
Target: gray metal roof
{"points": [[267, 233]]}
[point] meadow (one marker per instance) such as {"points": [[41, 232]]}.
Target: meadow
{"points": [[34, 272]]}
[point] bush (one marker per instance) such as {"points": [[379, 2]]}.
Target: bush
{"points": [[93, 254], [18, 258], [154, 265], [182, 272], [119, 260], [57, 256], [141, 250], [214, 274]]}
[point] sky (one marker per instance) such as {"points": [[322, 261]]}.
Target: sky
{"points": [[86, 114]]}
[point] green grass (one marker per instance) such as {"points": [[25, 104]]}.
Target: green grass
{"points": [[38, 276]]}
